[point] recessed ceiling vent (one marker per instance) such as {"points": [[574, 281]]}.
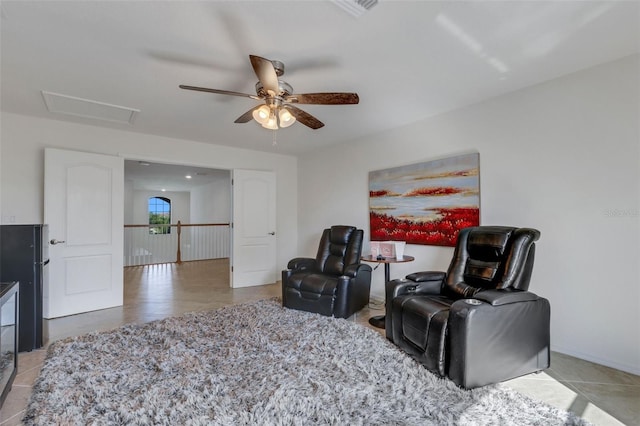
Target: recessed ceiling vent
{"points": [[78, 107], [356, 8]]}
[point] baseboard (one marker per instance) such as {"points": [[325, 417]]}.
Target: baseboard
{"points": [[587, 357], [375, 300]]}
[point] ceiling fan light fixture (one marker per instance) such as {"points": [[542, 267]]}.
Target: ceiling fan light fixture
{"points": [[271, 123], [261, 115], [286, 118]]}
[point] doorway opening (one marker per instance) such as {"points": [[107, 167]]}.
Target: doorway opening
{"points": [[175, 213]]}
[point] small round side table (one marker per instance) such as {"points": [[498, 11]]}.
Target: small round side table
{"points": [[378, 320]]}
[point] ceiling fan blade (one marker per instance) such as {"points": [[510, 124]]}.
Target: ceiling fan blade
{"points": [[182, 59], [218, 91], [324, 98], [304, 117], [266, 74], [247, 116]]}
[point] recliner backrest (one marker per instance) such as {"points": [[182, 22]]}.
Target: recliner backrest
{"points": [[340, 246], [491, 257]]}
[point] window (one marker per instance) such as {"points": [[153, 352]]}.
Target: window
{"points": [[159, 214]]}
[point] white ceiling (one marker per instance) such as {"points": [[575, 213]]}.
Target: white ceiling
{"points": [[406, 59], [170, 177]]}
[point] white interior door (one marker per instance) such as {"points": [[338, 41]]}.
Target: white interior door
{"points": [[253, 260], [83, 206]]}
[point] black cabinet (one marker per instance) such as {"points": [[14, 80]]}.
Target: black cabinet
{"points": [[24, 255], [8, 336]]}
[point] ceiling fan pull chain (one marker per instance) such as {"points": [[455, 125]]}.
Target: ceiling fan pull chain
{"points": [[275, 142]]}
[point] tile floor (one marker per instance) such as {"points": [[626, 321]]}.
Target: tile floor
{"points": [[602, 395]]}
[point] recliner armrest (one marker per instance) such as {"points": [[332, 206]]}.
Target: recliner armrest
{"points": [[505, 297], [395, 288], [430, 283], [302, 264], [423, 276], [352, 270], [425, 282], [489, 343], [398, 287]]}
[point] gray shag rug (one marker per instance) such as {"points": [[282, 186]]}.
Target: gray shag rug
{"points": [[259, 364]]}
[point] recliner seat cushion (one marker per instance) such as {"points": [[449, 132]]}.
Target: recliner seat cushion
{"points": [[312, 286], [312, 293]]}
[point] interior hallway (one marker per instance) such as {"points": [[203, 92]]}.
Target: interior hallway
{"points": [[602, 395]]}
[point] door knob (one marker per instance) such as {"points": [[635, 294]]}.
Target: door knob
{"points": [[272, 233], [53, 242]]}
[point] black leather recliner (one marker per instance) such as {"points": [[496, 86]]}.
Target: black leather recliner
{"points": [[476, 324], [335, 283]]}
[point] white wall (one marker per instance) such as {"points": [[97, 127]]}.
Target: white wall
{"points": [[562, 157], [211, 203], [1, 217], [22, 161], [128, 202]]}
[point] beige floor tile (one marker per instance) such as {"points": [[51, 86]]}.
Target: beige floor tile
{"points": [[15, 404], [14, 421], [542, 387], [27, 376], [562, 395], [621, 401], [599, 417], [29, 360], [569, 368]]}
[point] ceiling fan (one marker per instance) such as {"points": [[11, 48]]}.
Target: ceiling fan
{"points": [[278, 109]]}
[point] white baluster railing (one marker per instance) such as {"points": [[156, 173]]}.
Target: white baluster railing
{"points": [[149, 244]]}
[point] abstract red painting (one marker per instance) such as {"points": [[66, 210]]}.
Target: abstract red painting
{"points": [[425, 203]]}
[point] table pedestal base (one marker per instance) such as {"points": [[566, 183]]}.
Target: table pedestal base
{"points": [[377, 321]]}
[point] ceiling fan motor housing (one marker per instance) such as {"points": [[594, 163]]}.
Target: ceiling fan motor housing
{"points": [[278, 67], [284, 89]]}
